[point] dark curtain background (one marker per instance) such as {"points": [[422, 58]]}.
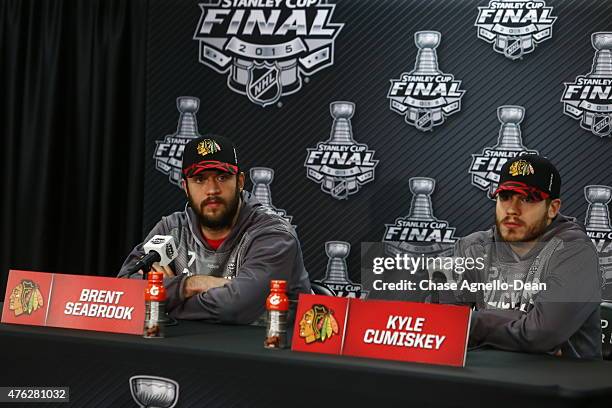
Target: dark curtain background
{"points": [[72, 116]]}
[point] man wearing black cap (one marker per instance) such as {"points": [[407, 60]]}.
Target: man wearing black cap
{"points": [[540, 287], [229, 247]]}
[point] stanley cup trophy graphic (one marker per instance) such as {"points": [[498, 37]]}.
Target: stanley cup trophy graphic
{"points": [[426, 64], [421, 209], [425, 95], [169, 152], [337, 270], [154, 392], [598, 217], [336, 276], [262, 177], [340, 164], [341, 134], [485, 166], [597, 223], [509, 133], [421, 239], [600, 123]]}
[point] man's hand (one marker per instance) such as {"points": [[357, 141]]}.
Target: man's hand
{"points": [[200, 284], [166, 270]]}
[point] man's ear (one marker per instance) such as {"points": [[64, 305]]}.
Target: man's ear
{"points": [[241, 181], [553, 208], [184, 187]]}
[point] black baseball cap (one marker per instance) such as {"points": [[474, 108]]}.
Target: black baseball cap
{"points": [[209, 152], [531, 175]]}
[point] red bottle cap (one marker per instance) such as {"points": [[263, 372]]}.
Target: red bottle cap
{"points": [[278, 285], [156, 276], [277, 299]]}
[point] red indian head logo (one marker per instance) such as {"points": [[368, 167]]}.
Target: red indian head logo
{"points": [[25, 298], [318, 324]]}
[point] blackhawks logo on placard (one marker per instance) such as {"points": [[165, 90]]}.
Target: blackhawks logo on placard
{"points": [[25, 298], [318, 324]]}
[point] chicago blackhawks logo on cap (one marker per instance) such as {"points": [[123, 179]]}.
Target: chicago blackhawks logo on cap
{"points": [[208, 146], [521, 168], [25, 298], [318, 324]]}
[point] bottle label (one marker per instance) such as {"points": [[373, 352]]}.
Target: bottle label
{"points": [[276, 334], [153, 313]]}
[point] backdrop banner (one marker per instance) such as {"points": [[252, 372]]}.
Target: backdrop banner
{"points": [[365, 121]]}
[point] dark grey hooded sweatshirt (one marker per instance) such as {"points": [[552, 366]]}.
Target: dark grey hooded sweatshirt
{"points": [[565, 316], [260, 247]]}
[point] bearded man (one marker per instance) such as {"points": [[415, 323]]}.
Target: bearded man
{"points": [[229, 246], [540, 288]]}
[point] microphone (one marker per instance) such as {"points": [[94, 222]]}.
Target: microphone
{"points": [[160, 248]]}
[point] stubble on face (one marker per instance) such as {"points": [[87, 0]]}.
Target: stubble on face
{"points": [[224, 218], [529, 231]]}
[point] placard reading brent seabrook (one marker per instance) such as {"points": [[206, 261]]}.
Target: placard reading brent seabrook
{"points": [[417, 332], [76, 302]]}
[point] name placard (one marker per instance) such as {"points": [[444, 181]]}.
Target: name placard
{"points": [[74, 301], [405, 331]]}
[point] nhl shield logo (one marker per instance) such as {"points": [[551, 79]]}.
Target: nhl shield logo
{"points": [[601, 125], [264, 86], [424, 121], [514, 50]]}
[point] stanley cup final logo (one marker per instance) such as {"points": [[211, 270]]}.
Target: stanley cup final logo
{"points": [[599, 229], [589, 97], [425, 95], [486, 166], [262, 177], [150, 391], [420, 232], [336, 277], [340, 164], [169, 151], [515, 27], [266, 47]]}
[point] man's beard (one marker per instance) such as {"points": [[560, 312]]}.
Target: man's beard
{"points": [[533, 232], [222, 220]]}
